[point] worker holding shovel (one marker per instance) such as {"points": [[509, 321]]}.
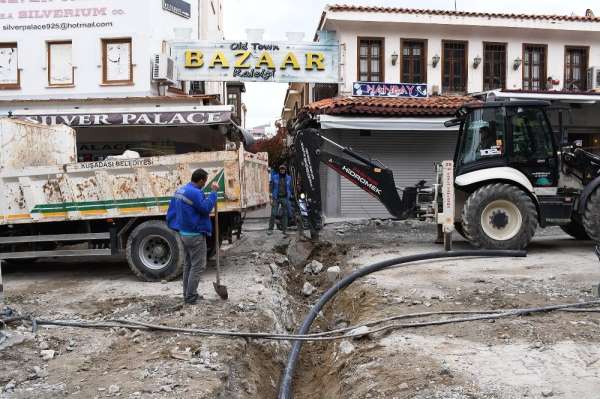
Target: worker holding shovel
{"points": [[189, 214]]}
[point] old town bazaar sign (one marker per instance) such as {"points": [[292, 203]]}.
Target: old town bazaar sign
{"points": [[257, 62]]}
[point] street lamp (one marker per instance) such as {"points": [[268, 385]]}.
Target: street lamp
{"points": [[517, 63], [435, 60], [476, 62]]}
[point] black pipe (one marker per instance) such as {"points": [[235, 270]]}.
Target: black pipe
{"points": [[285, 390]]}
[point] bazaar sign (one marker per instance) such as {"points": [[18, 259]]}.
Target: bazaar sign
{"points": [[389, 90], [283, 62]]}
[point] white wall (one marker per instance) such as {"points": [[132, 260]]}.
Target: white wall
{"points": [[348, 32], [144, 21]]}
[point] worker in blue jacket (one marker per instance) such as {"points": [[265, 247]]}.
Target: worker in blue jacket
{"points": [[281, 194], [189, 214]]}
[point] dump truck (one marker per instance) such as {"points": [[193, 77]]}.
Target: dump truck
{"points": [[52, 206]]}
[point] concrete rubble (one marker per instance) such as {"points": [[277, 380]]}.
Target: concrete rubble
{"points": [[314, 267], [334, 273], [308, 289]]}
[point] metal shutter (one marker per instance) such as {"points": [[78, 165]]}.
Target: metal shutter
{"points": [[410, 155]]}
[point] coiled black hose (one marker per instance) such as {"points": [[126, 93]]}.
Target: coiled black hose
{"points": [[285, 390]]}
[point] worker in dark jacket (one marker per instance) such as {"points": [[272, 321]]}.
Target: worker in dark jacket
{"points": [[189, 214], [281, 194]]}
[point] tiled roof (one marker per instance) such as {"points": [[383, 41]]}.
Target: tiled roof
{"points": [[392, 107], [396, 10]]}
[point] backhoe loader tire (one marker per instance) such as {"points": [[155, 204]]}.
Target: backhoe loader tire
{"points": [[458, 227], [575, 230], [155, 252], [591, 216], [499, 216]]}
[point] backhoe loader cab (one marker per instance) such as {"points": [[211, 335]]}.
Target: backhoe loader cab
{"points": [[510, 177]]}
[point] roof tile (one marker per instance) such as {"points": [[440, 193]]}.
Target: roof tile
{"points": [[392, 107], [397, 10]]}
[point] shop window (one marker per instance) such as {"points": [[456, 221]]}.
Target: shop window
{"points": [[60, 64], [10, 76], [117, 67], [534, 67], [576, 65], [454, 67], [414, 65], [494, 66], [370, 59]]}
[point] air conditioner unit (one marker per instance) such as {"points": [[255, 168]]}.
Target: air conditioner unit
{"points": [[163, 69], [593, 79]]}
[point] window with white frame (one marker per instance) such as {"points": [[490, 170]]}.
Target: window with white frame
{"points": [[9, 66], [60, 64]]}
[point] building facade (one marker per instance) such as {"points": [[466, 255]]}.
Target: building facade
{"points": [[97, 48], [91, 64], [455, 54], [464, 52]]}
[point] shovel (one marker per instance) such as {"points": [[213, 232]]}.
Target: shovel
{"points": [[221, 290]]}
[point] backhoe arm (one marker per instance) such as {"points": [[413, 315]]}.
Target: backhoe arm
{"points": [[372, 177]]}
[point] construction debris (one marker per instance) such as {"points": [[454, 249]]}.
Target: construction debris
{"points": [[47, 354], [299, 251], [333, 274], [315, 267], [308, 289]]}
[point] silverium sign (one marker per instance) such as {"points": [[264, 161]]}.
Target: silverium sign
{"points": [[389, 90], [178, 7], [247, 61]]}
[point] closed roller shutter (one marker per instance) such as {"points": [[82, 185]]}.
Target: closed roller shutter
{"points": [[410, 155]]}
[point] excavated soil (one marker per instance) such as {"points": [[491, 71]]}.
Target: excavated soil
{"points": [[543, 355]]}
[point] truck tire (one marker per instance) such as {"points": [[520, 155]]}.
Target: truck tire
{"points": [[591, 216], [575, 230], [155, 252], [499, 216]]}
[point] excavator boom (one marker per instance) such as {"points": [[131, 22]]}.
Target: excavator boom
{"points": [[371, 176]]}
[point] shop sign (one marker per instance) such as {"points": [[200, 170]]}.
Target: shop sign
{"points": [[178, 7], [283, 62], [21, 17], [389, 90], [133, 118]]}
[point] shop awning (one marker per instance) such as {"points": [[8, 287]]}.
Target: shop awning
{"points": [[389, 124]]}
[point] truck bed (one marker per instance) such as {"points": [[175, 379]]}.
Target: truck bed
{"points": [[119, 188]]}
